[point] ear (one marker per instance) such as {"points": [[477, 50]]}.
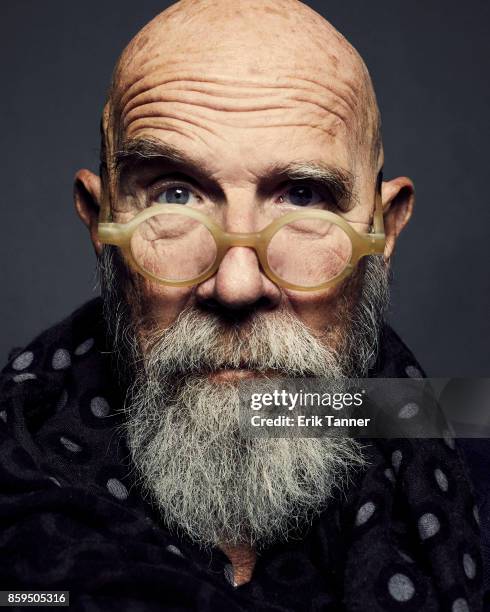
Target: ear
{"points": [[398, 197], [87, 195]]}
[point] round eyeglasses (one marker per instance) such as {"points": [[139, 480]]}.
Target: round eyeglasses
{"points": [[305, 250]]}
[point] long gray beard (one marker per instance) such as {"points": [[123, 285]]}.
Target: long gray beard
{"points": [[183, 429]]}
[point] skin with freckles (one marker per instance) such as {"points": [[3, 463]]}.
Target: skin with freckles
{"points": [[240, 87]]}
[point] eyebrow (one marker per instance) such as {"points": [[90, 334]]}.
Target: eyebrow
{"points": [[338, 181], [137, 150]]}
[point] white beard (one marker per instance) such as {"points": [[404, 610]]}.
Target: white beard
{"points": [[183, 428]]}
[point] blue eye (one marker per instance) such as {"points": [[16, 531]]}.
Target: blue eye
{"points": [[174, 195], [301, 195]]}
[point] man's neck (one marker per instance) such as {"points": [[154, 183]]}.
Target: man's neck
{"points": [[243, 558]]}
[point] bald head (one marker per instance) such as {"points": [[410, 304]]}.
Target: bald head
{"points": [[236, 113], [243, 57]]}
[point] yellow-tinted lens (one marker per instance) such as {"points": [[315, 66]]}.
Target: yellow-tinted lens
{"points": [[173, 247], [309, 252]]}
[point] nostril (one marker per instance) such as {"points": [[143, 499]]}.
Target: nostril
{"points": [[263, 303], [235, 314]]}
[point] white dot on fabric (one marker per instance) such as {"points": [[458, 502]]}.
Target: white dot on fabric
{"points": [[70, 445], [22, 377], [448, 439], [229, 574], [174, 550], [476, 515], [469, 566], [390, 475], [61, 359], [23, 361], [408, 411], [61, 403], [364, 513], [460, 605], [441, 479], [413, 372], [99, 407], [428, 525], [401, 587], [84, 347], [396, 459], [3, 415], [116, 488]]}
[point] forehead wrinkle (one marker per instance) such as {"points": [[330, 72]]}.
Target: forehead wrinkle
{"points": [[159, 50], [187, 106], [204, 104], [236, 97], [235, 27], [162, 74], [345, 90], [161, 123], [230, 121], [212, 85]]}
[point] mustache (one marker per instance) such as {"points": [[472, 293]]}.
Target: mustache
{"points": [[199, 342], [265, 341]]}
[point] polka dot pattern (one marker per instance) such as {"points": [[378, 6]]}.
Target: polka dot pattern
{"points": [[409, 411], [396, 460], [99, 407], [23, 361], [19, 378], [84, 347], [441, 479], [70, 445], [390, 475], [365, 512], [61, 359], [413, 372], [175, 550], [460, 605], [95, 509], [469, 566], [116, 488], [449, 440], [401, 588], [428, 525]]}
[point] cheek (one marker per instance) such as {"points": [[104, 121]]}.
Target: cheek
{"points": [[159, 306], [321, 309]]}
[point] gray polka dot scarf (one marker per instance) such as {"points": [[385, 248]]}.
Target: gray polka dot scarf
{"points": [[405, 536]]}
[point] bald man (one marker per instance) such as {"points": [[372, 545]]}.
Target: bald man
{"points": [[243, 233]]}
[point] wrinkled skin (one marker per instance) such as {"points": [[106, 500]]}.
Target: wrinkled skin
{"points": [[240, 86]]}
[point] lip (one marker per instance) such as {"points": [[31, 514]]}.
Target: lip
{"points": [[228, 374]]}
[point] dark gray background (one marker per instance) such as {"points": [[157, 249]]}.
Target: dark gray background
{"points": [[429, 63]]}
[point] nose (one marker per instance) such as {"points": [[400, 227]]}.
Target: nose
{"points": [[239, 283]]}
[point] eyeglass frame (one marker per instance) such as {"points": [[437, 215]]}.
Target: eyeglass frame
{"points": [[363, 244]]}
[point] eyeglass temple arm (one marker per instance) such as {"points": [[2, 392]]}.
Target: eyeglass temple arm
{"points": [[378, 222], [377, 237], [111, 233]]}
